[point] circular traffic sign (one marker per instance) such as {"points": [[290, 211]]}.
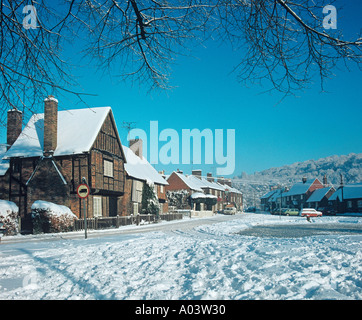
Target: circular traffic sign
{"points": [[83, 191]]}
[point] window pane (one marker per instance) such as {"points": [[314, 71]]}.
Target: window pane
{"points": [[108, 168], [97, 206]]}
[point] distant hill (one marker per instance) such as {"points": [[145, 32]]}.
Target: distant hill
{"points": [[255, 185]]}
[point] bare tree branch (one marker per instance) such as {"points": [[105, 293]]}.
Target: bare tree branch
{"points": [[281, 43]]}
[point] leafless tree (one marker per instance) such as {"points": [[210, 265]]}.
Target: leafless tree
{"points": [[31, 62], [285, 42], [281, 42]]}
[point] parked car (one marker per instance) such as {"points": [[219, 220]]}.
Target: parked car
{"points": [[308, 212], [230, 210], [328, 211], [279, 211], [291, 212]]}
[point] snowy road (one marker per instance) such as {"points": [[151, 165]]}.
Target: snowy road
{"points": [[200, 259]]}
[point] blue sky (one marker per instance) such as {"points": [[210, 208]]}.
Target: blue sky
{"points": [[310, 126]]}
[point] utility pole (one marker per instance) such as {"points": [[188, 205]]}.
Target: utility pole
{"points": [[341, 186]]}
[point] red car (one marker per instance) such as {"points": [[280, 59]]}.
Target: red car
{"points": [[308, 212]]}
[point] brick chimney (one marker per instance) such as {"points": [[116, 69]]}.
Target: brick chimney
{"points": [[221, 180], [136, 145], [228, 182], [209, 177], [14, 126], [197, 173], [50, 125], [325, 182], [304, 179]]}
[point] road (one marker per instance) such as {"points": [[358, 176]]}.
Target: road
{"points": [[184, 224], [304, 230]]}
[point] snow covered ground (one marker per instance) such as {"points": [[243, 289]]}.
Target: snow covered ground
{"points": [[183, 260]]}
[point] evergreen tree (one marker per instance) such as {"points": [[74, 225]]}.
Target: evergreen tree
{"points": [[150, 204]]}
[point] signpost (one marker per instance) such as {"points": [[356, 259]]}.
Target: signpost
{"points": [[83, 192]]}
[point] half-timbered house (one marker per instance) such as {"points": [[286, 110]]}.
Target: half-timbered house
{"points": [[57, 150]]}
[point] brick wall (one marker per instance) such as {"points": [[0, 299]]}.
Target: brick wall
{"points": [[46, 184], [175, 183], [126, 200]]}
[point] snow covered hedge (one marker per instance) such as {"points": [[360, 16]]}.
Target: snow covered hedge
{"points": [[9, 217], [51, 217], [179, 199]]}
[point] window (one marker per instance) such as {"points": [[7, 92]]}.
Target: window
{"points": [[137, 187], [359, 203], [161, 188], [135, 207], [108, 168], [349, 204], [97, 206]]}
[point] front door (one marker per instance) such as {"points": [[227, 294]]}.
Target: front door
{"points": [[113, 206]]}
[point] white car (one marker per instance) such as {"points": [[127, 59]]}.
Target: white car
{"points": [[230, 210], [308, 212]]}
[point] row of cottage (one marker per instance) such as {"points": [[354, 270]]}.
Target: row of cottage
{"points": [[315, 194], [50, 156]]}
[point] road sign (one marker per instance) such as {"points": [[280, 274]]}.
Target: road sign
{"points": [[83, 191]]}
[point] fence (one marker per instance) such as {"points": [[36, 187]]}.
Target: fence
{"points": [[116, 222]]}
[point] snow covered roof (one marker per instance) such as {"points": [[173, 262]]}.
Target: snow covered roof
{"points": [[193, 185], [141, 169], [318, 194], [276, 196], [212, 185], [4, 164], [350, 191], [232, 189], [225, 187], [204, 183], [77, 131], [268, 194], [300, 188], [198, 195], [196, 181], [222, 186]]}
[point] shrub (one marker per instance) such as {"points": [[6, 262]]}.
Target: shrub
{"points": [[50, 217], [9, 217], [150, 204]]}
